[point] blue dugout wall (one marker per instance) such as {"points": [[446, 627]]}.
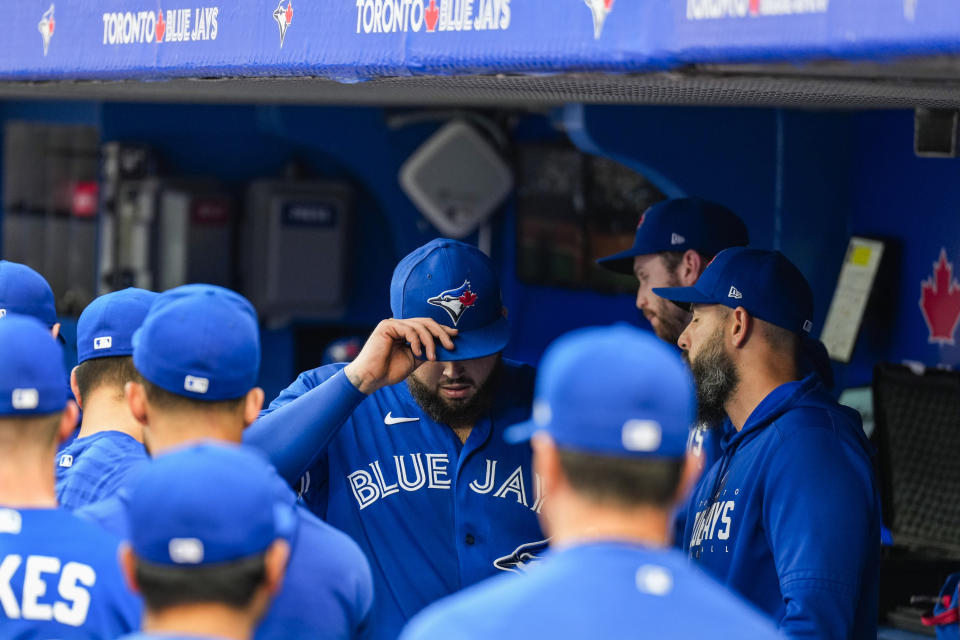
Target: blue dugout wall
{"points": [[803, 181]]}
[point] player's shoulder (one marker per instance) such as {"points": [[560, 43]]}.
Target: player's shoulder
{"points": [[471, 611], [112, 448], [339, 550], [60, 527], [820, 425], [109, 514], [317, 376], [723, 608]]}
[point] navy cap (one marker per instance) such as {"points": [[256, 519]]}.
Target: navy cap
{"points": [[199, 341], [31, 378], [615, 391], [678, 225], [455, 284], [764, 283], [24, 291], [206, 504], [105, 328]]}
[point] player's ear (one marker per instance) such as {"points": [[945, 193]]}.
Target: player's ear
{"points": [[739, 324], [136, 396], [68, 421], [252, 404], [74, 387], [128, 567], [55, 330], [690, 268], [276, 564], [546, 461], [688, 478]]}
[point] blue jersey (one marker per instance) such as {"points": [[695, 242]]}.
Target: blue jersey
{"points": [[144, 635], [59, 578], [704, 444], [597, 590], [327, 590], [789, 517], [432, 514], [94, 467]]}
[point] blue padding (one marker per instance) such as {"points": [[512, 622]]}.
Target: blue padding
{"points": [[345, 39]]}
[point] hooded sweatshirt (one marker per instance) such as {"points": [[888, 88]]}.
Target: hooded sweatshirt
{"points": [[789, 516]]}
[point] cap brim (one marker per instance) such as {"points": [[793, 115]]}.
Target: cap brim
{"points": [[520, 432], [684, 296], [477, 343]]}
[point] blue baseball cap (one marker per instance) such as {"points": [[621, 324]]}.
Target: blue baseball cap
{"points": [[31, 378], [105, 328], [678, 225], [455, 284], [24, 291], [205, 504], [764, 283], [199, 341], [615, 391]]}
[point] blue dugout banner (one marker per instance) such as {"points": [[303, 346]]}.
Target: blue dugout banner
{"points": [[354, 40]]}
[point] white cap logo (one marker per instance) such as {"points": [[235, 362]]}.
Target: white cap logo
{"points": [[10, 521], [807, 326], [676, 238], [734, 293], [25, 399], [654, 580], [66, 460], [542, 414], [196, 384], [3, 312], [186, 550], [103, 342], [641, 435]]}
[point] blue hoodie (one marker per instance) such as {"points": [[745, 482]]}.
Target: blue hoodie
{"points": [[789, 516]]}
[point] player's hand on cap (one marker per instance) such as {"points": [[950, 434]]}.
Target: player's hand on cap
{"points": [[395, 349]]}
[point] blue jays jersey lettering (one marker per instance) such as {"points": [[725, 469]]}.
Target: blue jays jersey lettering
{"points": [[597, 590], [327, 590], [94, 467], [59, 578], [789, 517], [433, 515], [705, 445]]}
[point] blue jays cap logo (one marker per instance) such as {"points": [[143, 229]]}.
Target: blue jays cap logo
{"points": [[455, 301]]}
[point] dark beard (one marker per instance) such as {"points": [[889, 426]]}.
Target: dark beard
{"points": [[716, 377], [457, 412]]}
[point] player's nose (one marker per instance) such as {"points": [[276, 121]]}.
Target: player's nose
{"points": [[684, 340], [641, 299], [453, 369]]}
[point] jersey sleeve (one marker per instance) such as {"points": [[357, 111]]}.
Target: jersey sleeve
{"points": [[820, 516], [110, 514], [299, 424]]}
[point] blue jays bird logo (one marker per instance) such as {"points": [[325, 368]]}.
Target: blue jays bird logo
{"points": [[523, 557], [455, 301], [46, 26], [284, 16]]}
